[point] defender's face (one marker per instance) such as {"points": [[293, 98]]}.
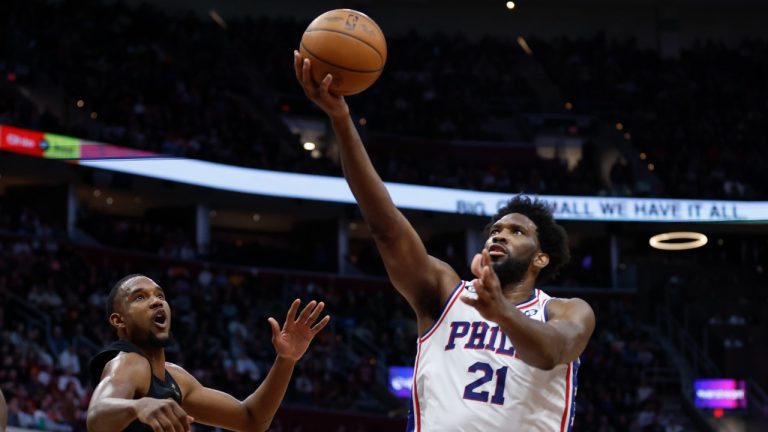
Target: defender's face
{"points": [[146, 313]]}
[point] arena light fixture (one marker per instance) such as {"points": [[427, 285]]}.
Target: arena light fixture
{"points": [[662, 241], [309, 146]]}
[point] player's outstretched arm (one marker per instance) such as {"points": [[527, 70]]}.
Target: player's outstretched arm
{"points": [[255, 413], [423, 280], [113, 406], [540, 344]]}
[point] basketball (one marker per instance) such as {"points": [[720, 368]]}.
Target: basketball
{"points": [[348, 45]]}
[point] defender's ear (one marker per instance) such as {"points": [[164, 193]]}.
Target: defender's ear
{"points": [[116, 320]]}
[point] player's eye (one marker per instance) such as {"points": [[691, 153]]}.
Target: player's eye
{"points": [[494, 231], [161, 296], [517, 232], [140, 297]]}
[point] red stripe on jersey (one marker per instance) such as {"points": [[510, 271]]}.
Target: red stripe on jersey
{"points": [[566, 411], [531, 302], [416, 390]]}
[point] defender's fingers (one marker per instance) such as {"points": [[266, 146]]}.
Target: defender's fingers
{"points": [[291, 316], [315, 313], [275, 326], [321, 325], [306, 311]]}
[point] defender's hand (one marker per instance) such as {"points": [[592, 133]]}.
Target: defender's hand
{"points": [[333, 105], [163, 415], [292, 341]]}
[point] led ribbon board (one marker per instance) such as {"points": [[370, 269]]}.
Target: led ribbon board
{"points": [[720, 393], [335, 189], [401, 381]]}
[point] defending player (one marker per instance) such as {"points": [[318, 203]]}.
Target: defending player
{"points": [[507, 354], [139, 391]]}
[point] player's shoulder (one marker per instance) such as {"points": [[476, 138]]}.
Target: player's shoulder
{"points": [[559, 306], [128, 366], [182, 377], [176, 369]]}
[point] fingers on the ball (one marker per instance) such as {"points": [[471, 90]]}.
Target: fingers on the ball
{"points": [[306, 77], [326, 84], [297, 64]]}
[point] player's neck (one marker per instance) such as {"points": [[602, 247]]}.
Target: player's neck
{"points": [[518, 292], [156, 357]]}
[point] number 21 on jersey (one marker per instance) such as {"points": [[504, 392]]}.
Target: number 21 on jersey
{"points": [[486, 375]]}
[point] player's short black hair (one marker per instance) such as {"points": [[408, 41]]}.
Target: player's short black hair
{"points": [[552, 237], [110, 305]]}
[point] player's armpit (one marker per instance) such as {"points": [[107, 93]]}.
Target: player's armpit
{"points": [[574, 320], [425, 281]]}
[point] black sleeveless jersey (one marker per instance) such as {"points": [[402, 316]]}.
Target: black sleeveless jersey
{"points": [[158, 388]]}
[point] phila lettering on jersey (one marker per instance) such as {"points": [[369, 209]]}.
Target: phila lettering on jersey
{"points": [[467, 376]]}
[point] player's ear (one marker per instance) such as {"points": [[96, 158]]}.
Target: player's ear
{"points": [[116, 320], [541, 260]]}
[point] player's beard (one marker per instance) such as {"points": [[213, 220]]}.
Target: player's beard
{"points": [[512, 270], [156, 342]]}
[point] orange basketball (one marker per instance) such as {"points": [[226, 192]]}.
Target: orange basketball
{"points": [[348, 45]]}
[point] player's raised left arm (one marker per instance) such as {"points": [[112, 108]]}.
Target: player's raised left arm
{"points": [[255, 413], [559, 340]]}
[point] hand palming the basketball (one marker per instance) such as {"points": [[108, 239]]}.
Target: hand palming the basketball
{"points": [[333, 105], [490, 301]]}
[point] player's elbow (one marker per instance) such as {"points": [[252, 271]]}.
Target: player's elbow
{"points": [[92, 423], [545, 364], [254, 422], [545, 360]]}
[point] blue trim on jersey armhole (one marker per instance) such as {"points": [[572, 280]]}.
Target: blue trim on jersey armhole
{"points": [[575, 386], [546, 317], [461, 283]]}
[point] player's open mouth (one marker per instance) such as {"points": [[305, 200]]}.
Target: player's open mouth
{"points": [[496, 250], [160, 319]]}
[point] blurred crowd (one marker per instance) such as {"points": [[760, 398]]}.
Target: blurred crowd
{"points": [[700, 118], [182, 85], [52, 320]]}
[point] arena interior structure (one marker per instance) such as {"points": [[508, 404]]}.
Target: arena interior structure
{"points": [[171, 139]]}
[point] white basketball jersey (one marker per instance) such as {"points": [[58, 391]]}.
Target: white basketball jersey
{"points": [[467, 376]]}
